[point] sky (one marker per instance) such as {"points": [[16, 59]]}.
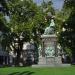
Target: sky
{"points": [[57, 4]]}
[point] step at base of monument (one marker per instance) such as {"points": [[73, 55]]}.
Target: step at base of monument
{"points": [[51, 65]]}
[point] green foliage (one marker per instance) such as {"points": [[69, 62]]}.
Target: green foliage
{"points": [[67, 37], [4, 7], [27, 21], [26, 16], [69, 4]]}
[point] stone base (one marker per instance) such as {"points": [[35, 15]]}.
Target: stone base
{"points": [[42, 61], [51, 65], [49, 60]]}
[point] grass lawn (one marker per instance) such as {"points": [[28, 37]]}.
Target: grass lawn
{"points": [[37, 71]]}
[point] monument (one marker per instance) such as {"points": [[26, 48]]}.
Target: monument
{"points": [[48, 52]]}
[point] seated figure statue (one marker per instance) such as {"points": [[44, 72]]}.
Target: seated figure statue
{"points": [[50, 29]]}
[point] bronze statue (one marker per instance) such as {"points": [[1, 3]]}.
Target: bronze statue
{"points": [[50, 29]]}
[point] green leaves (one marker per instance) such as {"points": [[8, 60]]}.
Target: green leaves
{"points": [[67, 37], [27, 18]]}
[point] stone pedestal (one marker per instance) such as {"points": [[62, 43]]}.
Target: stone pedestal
{"points": [[49, 52]]}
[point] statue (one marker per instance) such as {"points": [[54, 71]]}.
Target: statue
{"points": [[50, 29]]}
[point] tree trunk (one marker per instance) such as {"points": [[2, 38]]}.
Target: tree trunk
{"points": [[19, 51]]}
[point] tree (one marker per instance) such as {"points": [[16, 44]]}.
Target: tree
{"points": [[27, 21], [68, 35], [3, 12], [3, 23]]}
